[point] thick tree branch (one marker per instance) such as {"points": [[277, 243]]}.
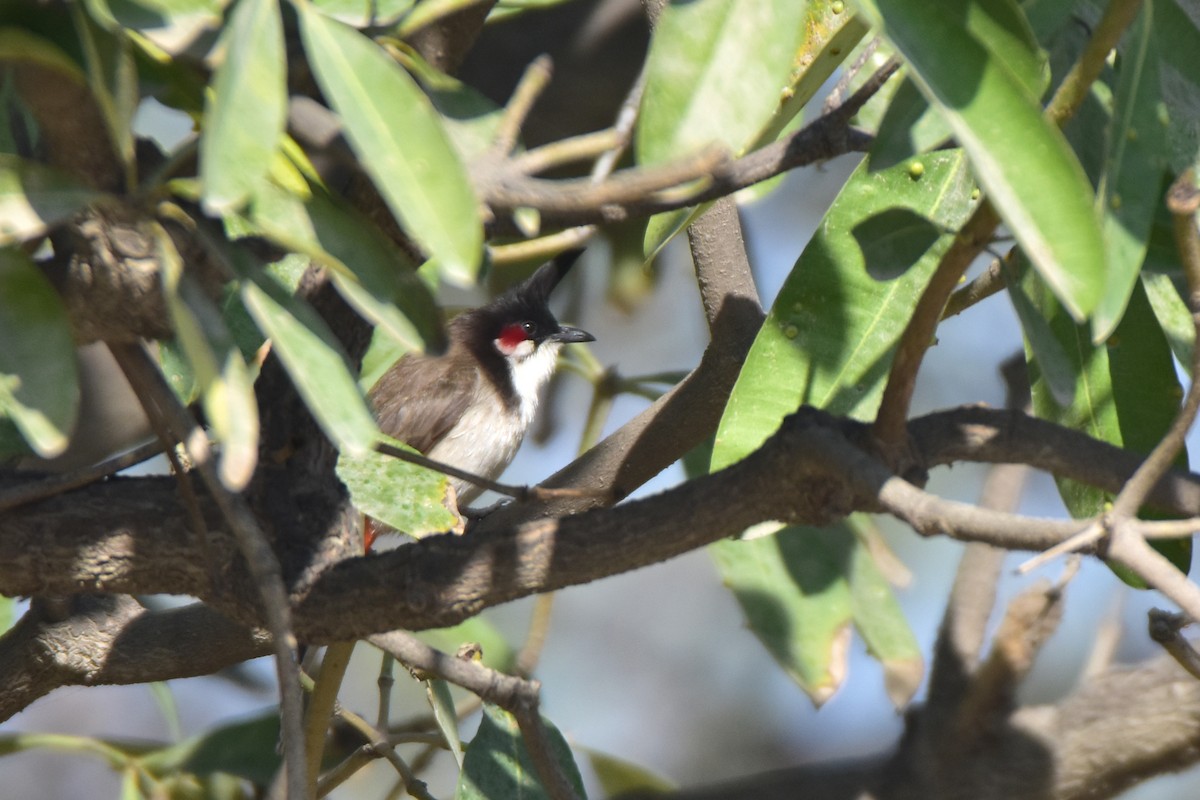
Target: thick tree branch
{"points": [[812, 471]]}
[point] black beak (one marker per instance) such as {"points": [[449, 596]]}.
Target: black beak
{"points": [[567, 334]]}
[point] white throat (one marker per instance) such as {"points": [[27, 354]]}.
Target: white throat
{"points": [[531, 366]]}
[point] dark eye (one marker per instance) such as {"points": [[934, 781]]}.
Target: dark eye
{"points": [[530, 328]]}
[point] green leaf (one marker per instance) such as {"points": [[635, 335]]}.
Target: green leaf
{"points": [[1172, 315], [794, 591], [1060, 373], [364, 13], [438, 693], [880, 621], [827, 342], [315, 361], [1129, 190], [39, 381], [469, 117], [1128, 393], [893, 240], [1022, 161], [714, 73], [398, 137], [409, 498], [369, 271], [829, 34], [828, 338], [909, 126], [1179, 47], [497, 764], [246, 110], [247, 748], [35, 198], [219, 372], [618, 776]]}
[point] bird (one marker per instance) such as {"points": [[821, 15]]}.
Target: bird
{"points": [[471, 406]]}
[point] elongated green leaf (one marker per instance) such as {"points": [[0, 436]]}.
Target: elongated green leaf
{"points": [[399, 140], [1179, 47], [794, 591], [909, 126], [247, 107], [827, 342], [221, 375], [1059, 371], [714, 73], [34, 198], [1128, 393], [617, 776], [497, 764], [246, 748], [39, 381], [880, 621], [829, 33], [1172, 315], [1022, 161], [315, 361], [376, 13], [442, 703], [369, 271], [1129, 190], [409, 498]]}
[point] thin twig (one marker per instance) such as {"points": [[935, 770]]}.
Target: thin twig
{"points": [[518, 493], [321, 705], [987, 283], [1165, 628], [159, 400], [1118, 15], [533, 82], [26, 493], [891, 420], [644, 190], [516, 695], [566, 151]]}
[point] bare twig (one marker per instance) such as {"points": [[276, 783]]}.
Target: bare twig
{"points": [[160, 402], [16, 496], [533, 82], [987, 283], [1166, 629], [516, 695]]}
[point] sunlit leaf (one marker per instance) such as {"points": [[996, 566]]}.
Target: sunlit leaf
{"points": [[444, 714], [39, 380], [714, 73], [1022, 161], [827, 341], [1130, 190], [409, 498], [497, 763], [247, 107], [34, 198], [316, 363], [220, 373], [396, 133], [1127, 393]]}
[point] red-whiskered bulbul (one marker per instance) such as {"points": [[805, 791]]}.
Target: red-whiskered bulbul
{"points": [[471, 407]]}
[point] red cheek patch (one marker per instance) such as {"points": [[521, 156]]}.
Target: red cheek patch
{"points": [[510, 337]]}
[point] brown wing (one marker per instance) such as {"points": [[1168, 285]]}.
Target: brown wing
{"points": [[420, 398]]}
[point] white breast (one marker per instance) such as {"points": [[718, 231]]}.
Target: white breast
{"points": [[485, 440]]}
